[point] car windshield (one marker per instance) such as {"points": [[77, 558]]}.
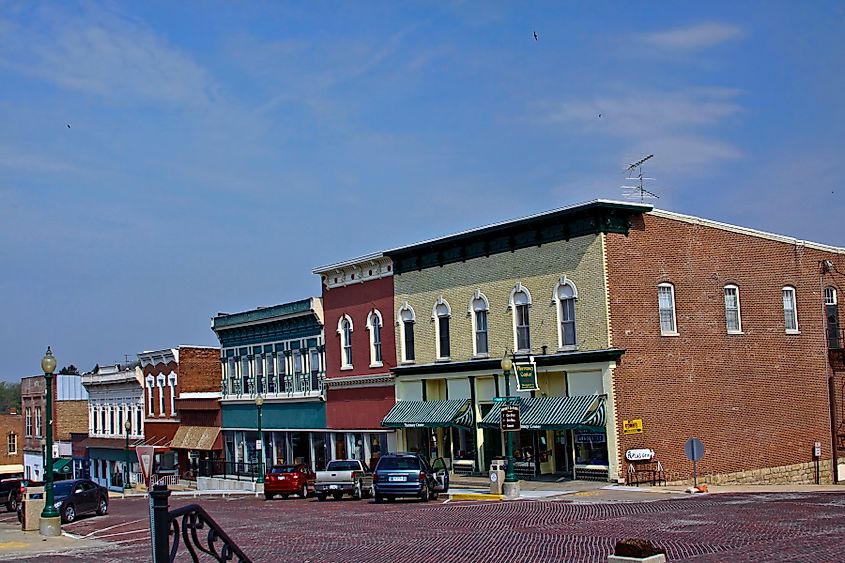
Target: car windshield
{"points": [[343, 466], [62, 488], [398, 463], [283, 469]]}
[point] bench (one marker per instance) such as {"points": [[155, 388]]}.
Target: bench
{"points": [[645, 472]]}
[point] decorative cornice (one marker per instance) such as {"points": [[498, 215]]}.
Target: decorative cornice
{"points": [[359, 381], [358, 270], [494, 364]]}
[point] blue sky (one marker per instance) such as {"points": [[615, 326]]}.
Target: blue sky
{"points": [[217, 152]]}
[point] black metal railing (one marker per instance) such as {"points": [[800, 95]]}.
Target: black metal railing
{"points": [[219, 467], [836, 339], [190, 526]]}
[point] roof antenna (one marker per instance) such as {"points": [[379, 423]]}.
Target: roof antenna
{"points": [[635, 172]]}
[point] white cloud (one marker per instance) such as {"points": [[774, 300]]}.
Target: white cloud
{"points": [[106, 55], [694, 37]]}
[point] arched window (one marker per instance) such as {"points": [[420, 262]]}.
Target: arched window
{"points": [[564, 297], [344, 329], [666, 308], [406, 319], [733, 318], [171, 382], [520, 305], [150, 387], [478, 309], [441, 314], [160, 382], [374, 325]]}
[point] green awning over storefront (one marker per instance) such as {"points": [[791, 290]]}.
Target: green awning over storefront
{"points": [[555, 413], [63, 466], [430, 414]]}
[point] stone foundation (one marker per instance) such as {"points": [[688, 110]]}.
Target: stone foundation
{"points": [[798, 474]]}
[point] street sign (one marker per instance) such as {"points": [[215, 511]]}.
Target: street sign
{"points": [[634, 426], [145, 455], [694, 449], [510, 419]]}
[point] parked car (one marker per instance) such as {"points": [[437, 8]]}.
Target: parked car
{"points": [[409, 475], [345, 477], [79, 496], [11, 493], [288, 480]]}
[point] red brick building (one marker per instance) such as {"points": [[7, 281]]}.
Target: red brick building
{"points": [[725, 338], [360, 352], [181, 397], [11, 446]]}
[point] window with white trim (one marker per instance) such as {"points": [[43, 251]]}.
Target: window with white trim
{"points": [[374, 325], [171, 382], [12, 443], [790, 312], [565, 295], [666, 307], [139, 422], [37, 421], [269, 364], [29, 421], [407, 318], [103, 419], [94, 420], [478, 309], [521, 303], [231, 375], [733, 318], [160, 381], [259, 373], [245, 374], [150, 384], [442, 315], [344, 329]]}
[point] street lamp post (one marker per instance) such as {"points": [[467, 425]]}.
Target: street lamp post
{"points": [[259, 402], [51, 524], [510, 487], [127, 425]]}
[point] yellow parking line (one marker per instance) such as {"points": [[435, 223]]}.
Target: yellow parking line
{"points": [[474, 496]]}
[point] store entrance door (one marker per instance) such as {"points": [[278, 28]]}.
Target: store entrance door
{"points": [[563, 452]]}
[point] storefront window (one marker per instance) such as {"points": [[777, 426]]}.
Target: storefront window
{"points": [[340, 446], [590, 448], [320, 451], [300, 447]]}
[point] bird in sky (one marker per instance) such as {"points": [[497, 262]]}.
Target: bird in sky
{"points": [[536, 37], [599, 115], [68, 125]]}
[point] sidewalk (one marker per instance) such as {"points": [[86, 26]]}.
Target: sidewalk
{"points": [[16, 544]]}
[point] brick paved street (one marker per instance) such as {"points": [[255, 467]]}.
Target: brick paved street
{"points": [[726, 527]]}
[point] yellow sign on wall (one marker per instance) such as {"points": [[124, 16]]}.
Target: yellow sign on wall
{"points": [[634, 426]]}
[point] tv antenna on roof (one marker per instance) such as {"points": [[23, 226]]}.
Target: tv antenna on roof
{"points": [[635, 172]]}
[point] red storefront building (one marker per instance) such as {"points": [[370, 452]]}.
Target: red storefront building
{"points": [[360, 353]]}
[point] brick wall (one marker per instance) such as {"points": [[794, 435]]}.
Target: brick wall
{"points": [[537, 268], [32, 396], [70, 416], [199, 370], [756, 400], [11, 423]]}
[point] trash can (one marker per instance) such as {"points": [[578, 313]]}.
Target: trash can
{"points": [[33, 504], [497, 476]]}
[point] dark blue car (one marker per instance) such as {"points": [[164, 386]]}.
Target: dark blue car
{"points": [[79, 496], [409, 475]]}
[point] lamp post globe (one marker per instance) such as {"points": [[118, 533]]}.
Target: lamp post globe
{"points": [[259, 402], [50, 524]]}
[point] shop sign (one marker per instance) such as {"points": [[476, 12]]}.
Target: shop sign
{"points": [[526, 377], [634, 426], [510, 419], [639, 455], [584, 437]]}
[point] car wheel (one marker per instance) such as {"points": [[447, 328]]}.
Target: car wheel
{"points": [[321, 498], [269, 496], [69, 514], [369, 492], [102, 507], [357, 494], [285, 496], [379, 499], [12, 505], [433, 495], [424, 493], [337, 496], [304, 492]]}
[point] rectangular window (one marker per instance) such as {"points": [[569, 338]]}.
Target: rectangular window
{"points": [[245, 375], [38, 421], [103, 420], [138, 422], [29, 421], [523, 330], [315, 370], [567, 322], [409, 340], [13, 443], [481, 332], [666, 306], [732, 316], [271, 376], [94, 420], [297, 361], [259, 373], [790, 314], [443, 324]]}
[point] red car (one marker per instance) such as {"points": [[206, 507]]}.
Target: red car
{"points": [[289, 480]]}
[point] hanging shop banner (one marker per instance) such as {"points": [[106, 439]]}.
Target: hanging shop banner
{"points": [[526, 377]]}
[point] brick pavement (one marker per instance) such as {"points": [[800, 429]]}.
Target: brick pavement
{"points": [[726, 527]]}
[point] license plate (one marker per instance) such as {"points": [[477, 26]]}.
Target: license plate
{"points": [[334, 486], [397, 478]]}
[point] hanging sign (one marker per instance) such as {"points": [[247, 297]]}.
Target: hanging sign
{"points": [[634, 426], [526, 377], [509, 419]]}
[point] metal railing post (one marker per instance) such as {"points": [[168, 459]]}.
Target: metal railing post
{"points": [[160, 523]]}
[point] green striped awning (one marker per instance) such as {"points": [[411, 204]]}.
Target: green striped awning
{"points": [[430, 414], [555, 413]]}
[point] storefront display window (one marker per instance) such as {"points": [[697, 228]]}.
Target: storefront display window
{"points": [[590, 448]]}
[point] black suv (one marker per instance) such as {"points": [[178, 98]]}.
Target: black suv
{"points": [[11, 492], [409, 475]]}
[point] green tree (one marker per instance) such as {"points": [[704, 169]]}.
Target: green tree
{"points": [[10, 396]]}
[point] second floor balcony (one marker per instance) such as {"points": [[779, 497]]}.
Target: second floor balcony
{"points": [[291, 385]]}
